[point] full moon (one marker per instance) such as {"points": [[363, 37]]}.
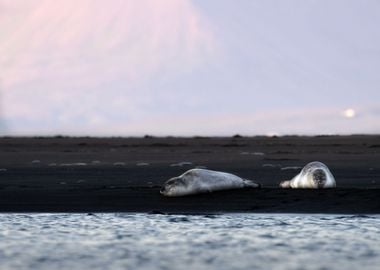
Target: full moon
{"points": [[349, 113]]}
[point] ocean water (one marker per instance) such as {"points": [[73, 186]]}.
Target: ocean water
{"points": [[228, 241]]}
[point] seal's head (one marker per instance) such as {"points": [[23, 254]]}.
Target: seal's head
{"points": [[314, 175], [175, 186], [318, 175], [319, 178]]}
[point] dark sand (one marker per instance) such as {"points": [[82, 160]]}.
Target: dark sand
{"points": [[124, 174]]}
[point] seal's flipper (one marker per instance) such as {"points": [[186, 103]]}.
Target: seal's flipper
{"points": [[285, 184], [251, 184]]}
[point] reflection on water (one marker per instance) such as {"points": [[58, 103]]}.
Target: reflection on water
{"points": [[233, 241]]}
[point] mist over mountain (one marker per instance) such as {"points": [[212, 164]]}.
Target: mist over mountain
{"points": [[181, 67]]}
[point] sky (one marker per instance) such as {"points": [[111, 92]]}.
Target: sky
{"points": [[189, 67]]}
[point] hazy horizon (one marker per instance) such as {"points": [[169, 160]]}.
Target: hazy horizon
{"points": [[189, 68]]}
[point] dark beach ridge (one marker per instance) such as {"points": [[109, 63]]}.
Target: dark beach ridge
{"points": [[64, 174]]}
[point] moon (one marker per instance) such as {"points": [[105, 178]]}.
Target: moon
{"points": [[349, 113]]}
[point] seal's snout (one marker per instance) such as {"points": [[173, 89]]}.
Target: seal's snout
{"points": [[162, 190]]}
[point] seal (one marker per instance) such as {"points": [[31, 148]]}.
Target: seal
{"points": [[314, 175], [197, 181]]}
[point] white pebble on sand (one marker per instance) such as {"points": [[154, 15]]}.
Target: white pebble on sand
{"points": [[119, 163], [142, 164], [291, 168], [268, 165], [73, 164], [181, 164]]}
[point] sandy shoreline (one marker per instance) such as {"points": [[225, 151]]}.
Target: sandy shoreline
{"points": [[124, 174]]}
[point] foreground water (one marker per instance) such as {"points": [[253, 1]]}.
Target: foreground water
{"points": [[230, 241]]}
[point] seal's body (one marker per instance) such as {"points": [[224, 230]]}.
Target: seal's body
{"points": [[313, 175], [196, 181]]}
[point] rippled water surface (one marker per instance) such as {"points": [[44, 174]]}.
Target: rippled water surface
{"points": [[230, 241]]}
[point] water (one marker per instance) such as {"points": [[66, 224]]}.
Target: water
{"points": [[229, 241]]}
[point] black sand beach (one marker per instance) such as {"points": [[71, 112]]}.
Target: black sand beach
{"points": [[62, 174]]}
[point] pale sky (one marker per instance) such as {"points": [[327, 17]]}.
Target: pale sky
{"points": [[182, 67]]}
